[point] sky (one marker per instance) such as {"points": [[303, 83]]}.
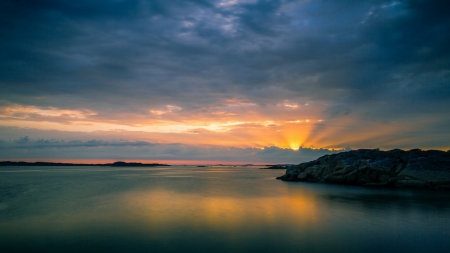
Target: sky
{"points": [[256, 81]]}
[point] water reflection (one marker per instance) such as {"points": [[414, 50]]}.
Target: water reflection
{"points": [[162, 208], [402, 200], [210, 209]]}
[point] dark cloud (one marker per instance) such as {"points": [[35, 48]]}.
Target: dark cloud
{"points": [[386, 59]]}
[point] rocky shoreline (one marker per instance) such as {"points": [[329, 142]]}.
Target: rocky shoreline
{"points": [[372, 167]]}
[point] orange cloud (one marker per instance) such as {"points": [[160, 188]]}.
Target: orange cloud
{"points": [[231, 123], [166, 109], [28, 112]]}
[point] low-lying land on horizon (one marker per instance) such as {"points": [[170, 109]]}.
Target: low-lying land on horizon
{"points": [[115, 164]]}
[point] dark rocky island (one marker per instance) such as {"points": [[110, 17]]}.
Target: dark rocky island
{"points": [[371, 167], [134, 164], [276, 167]]}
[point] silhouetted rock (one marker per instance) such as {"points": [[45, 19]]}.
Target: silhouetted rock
{"points": [[372, 167], [275, 167], [135, 164]]}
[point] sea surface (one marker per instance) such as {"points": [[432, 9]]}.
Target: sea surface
{"points": [[212, 209]]}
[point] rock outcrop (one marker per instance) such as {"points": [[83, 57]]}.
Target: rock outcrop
{"points": [[275, 167], [372, 167]]}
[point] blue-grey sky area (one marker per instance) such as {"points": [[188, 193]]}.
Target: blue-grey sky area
{"points": [[198, 79]]}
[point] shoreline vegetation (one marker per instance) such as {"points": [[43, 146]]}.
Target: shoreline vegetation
{"points": [[395, 168], [115, 164]]}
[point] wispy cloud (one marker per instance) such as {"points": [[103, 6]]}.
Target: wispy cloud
{"points": [[166, 109], [34, 112]]}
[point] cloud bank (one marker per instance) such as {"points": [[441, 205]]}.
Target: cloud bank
{"points": [[122, 150]]}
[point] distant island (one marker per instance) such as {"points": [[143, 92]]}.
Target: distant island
{"points": [[115, 164], [415, 168], [276, 167]]}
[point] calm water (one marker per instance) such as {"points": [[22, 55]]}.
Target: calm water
{"points": [[214, 209]]}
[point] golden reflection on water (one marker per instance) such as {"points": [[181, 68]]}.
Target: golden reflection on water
{"points": [[233, 210], [161, 209]]}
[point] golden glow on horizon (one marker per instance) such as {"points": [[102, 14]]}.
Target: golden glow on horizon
{"points": [[241, 133], [295, 146], [282, 126], [283, 134]]}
